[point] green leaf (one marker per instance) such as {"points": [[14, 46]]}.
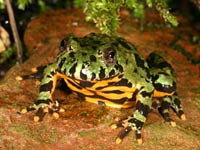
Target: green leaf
{"points": [[42, 5], [149, 3], [161, 6], [79, 3], [23, 3], [2, 4]]}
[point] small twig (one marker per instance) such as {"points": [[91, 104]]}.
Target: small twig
{"points": [[14, 30]]}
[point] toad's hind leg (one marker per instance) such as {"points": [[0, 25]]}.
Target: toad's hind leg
{"points": [[168, 102], [37, 73], [177, 106], [164, 109]]}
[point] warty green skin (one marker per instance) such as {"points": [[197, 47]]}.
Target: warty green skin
{"points": [[159, 67], [95, 45], [98, 57]]}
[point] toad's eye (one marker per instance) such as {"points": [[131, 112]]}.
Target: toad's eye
{"points": [[62, 46], [65, 44], [109, 56]]}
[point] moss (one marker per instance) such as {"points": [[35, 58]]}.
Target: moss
{"points": [[105, 14], [41, 134], [45, 135], [90, 133], [196, 90]]}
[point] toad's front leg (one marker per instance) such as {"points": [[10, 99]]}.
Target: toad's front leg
{"points": [[45, 103]]}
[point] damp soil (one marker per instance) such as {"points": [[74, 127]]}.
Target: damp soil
{"points": [[87, 126]]}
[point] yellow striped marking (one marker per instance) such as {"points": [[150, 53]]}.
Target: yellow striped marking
{"points": [[161, 94], [127, 92]]}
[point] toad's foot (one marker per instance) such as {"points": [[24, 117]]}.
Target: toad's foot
{"points": [[42, 109], [128, 125]]}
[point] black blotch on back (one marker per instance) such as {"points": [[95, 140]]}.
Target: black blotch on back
{"points": [[119, 67], [154, 78], [62, 62], [111, 73], [124, 43], [126, 61], [83, 76], [84, 54], [102, 73], [93, 76], [158, 65], [93, 58], [71, 54], [157, 61], [73, 69], [140, 62], [163, 65]]}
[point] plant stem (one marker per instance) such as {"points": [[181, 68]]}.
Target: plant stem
{"points": [[14, 30]]}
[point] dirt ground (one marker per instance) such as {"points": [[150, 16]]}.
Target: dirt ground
{"points": [[84, 125]]}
